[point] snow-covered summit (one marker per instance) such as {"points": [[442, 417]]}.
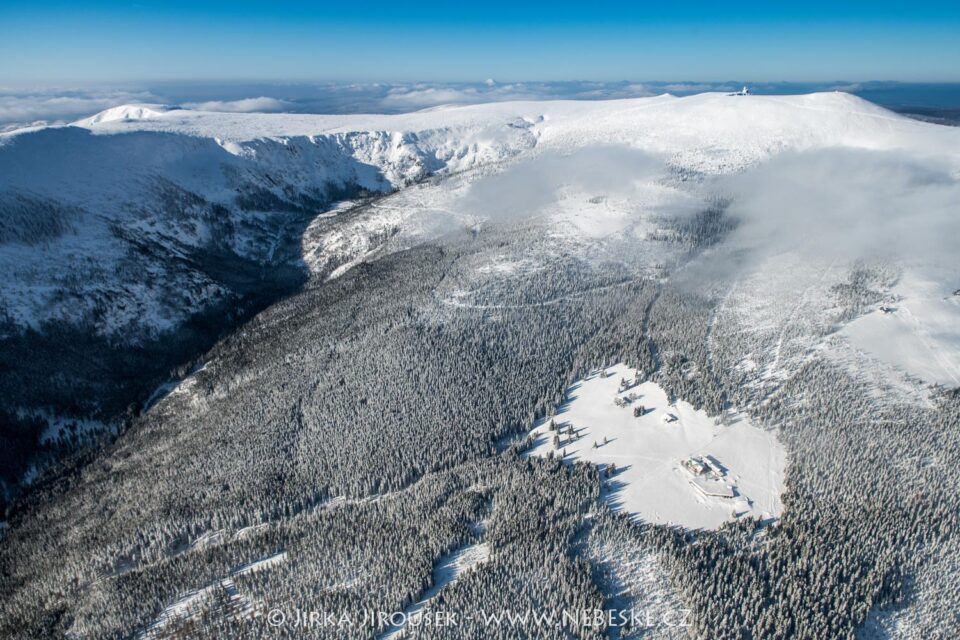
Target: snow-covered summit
{"points": [[125, 113]]}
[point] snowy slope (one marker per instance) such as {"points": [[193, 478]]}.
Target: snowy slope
{"points": [[918, 331], [713, 126], [103, 209], [144, 189]]}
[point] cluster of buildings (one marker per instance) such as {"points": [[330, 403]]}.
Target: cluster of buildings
{"points": [[706, 475]]}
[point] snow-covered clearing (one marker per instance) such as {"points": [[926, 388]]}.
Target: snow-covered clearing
{"points": [[649, 450], [919, 333]]}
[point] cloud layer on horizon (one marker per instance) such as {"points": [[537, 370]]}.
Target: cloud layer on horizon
{"points": [[32, 105], [22, 106], [262, 104]]}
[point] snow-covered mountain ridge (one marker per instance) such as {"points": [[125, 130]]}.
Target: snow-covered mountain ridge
{"points": [[102, 195], [110, 181]]}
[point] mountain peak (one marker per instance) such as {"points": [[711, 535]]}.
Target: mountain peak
{"points": [[126, 112]]}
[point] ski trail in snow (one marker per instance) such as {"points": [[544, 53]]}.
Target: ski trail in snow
{"points": [[221, 536], [651, 344], [446, 571], [708, 340], [802, 302], [193, 602]]}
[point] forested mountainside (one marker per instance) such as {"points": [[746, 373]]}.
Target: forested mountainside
{"points": [[127, 255], [362, 420]]}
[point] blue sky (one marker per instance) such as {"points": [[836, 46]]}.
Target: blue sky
{"points": [[361, 40]]}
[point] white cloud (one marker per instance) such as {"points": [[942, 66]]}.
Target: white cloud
{"points": [[639, 89], [849, 204], [246, 105], [20, 107], [530, 186], [838, 205], [430, 97], [697, 87], [419, 97], [852, 87]]}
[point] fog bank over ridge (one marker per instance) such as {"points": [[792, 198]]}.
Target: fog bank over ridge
{"points": [[847, 204]]}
